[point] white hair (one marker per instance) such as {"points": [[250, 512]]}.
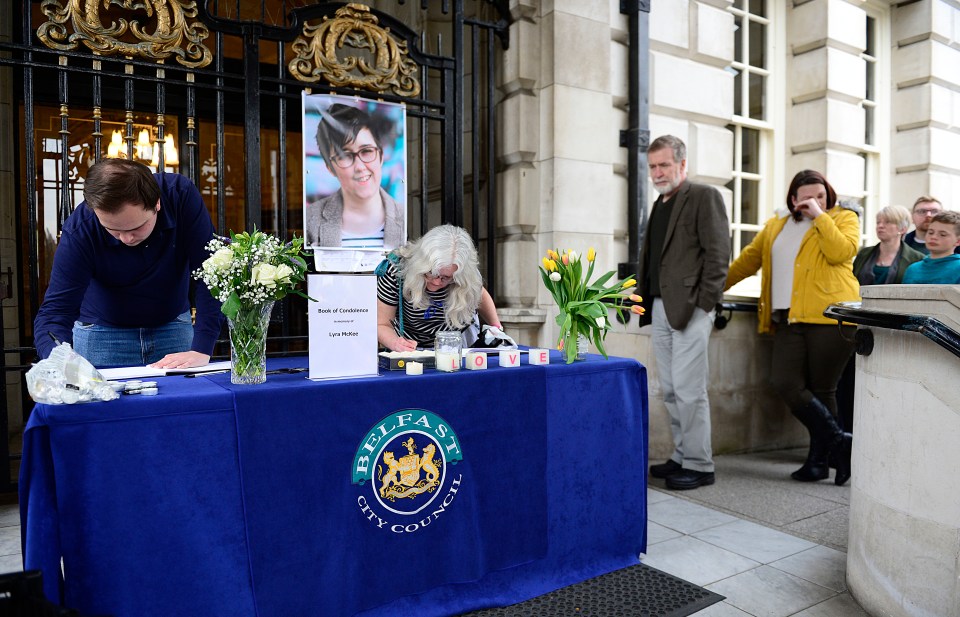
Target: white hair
{"points": [[440, 247]]}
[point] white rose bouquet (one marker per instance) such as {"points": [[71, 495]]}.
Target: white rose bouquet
{"points": [[248, 273]]}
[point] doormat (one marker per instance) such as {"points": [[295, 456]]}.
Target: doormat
{"points": [[637, 591]]}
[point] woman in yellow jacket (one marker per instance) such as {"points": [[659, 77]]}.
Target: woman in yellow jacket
{"points": [[806, 254]]}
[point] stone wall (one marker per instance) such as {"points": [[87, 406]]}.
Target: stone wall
{"points": [[825, 121], [564, 88], [746, 414], [926, 102], [904, 520]]}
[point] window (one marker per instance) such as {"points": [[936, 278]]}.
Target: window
{"points": [[751, 123], [874, 139]]}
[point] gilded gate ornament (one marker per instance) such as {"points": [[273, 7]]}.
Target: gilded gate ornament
{"points": [[173, 35], [320, 53]]}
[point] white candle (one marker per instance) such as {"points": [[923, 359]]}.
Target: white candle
{"points": [[414, 368], [448, 361], [539, 356], [510, 358], [476, 360]]}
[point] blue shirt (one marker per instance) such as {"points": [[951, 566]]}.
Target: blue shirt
{"points": [[943, 271], [98, 279]]}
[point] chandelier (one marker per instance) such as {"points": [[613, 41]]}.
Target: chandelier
{"points": [[144, 150]]}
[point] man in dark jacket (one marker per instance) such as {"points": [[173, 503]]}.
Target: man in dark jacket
{"points": [[683, 266], [119, 290]]}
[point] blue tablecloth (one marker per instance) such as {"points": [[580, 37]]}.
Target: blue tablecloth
{"points": [[216, 499]]}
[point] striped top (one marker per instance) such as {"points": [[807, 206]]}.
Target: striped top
{"points": [[418, 324], [362, 241]]}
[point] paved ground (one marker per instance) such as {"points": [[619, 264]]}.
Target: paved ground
{"points": [[773, 546]]}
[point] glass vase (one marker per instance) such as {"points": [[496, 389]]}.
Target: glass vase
{"points": [[248, 343], [580, 343], [583, 346]]}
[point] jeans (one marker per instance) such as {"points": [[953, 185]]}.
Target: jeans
{"points": [[106, 346]]}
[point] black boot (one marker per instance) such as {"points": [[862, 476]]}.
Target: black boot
{"points": [[826, 437], [815, 467], [843, 451]]}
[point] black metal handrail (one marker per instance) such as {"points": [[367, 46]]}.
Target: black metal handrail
{"points": [[931, 327]]}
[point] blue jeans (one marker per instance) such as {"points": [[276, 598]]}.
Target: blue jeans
{"points": [[106, 346]]}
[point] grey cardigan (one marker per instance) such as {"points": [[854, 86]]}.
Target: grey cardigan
{"points": [[323, 224]]}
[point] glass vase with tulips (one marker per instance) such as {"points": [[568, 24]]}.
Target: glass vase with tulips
{"points": [[583, 304]]}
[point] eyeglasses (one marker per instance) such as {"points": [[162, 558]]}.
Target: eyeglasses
{"points": [[921, 212], [367, 154], [445, 280]]}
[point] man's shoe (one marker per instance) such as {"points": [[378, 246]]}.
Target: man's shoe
{"points": [[665, 469], [688, 479]]}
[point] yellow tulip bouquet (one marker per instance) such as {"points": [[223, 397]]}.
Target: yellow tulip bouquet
{"points": [[583, 305]]}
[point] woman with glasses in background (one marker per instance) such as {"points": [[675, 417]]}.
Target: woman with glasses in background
{"points": [[430, 285], [360, 214]]}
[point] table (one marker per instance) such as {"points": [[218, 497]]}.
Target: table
{"points": [[216, 499]]}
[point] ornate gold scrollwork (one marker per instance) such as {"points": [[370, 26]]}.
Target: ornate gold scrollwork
{"points": [[173, 36], [354, 26]]}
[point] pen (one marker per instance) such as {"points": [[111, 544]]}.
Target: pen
{"points": [[199, 373], [276, 371]]}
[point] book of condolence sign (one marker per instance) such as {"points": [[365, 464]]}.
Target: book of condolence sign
{"points": [[343, 325]]}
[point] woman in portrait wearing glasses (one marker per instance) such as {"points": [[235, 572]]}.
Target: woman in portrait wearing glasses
{"points": [[439, 280], [360, 214]]}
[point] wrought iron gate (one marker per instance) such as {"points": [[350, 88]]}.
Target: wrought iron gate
{"points": [[213, 92]]}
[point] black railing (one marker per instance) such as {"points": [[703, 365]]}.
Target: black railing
{"points": [[931, 327]]}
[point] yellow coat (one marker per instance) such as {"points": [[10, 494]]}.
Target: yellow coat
{"points": [[823, 272]]}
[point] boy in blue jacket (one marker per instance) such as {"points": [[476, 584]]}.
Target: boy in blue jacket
{"points": [[942, 266]]}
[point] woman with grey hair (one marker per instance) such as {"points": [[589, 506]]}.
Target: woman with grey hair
{"points": [[438, 279], [885, 262]]}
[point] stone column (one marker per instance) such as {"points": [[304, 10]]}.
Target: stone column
{"points": [[559, 144], [691, 92], [904, 518], [925, 67], [518, 182], [826, 83]]}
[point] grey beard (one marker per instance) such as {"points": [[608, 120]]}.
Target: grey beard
{"points": [[667, 189]]}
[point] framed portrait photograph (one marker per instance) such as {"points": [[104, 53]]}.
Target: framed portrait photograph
{"points": [[354, 180]]}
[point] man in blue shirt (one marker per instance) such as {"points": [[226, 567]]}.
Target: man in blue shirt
{"points": [[119, 290], [942, 266]]}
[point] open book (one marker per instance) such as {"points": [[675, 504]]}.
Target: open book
{"points": [[133, 372]]}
